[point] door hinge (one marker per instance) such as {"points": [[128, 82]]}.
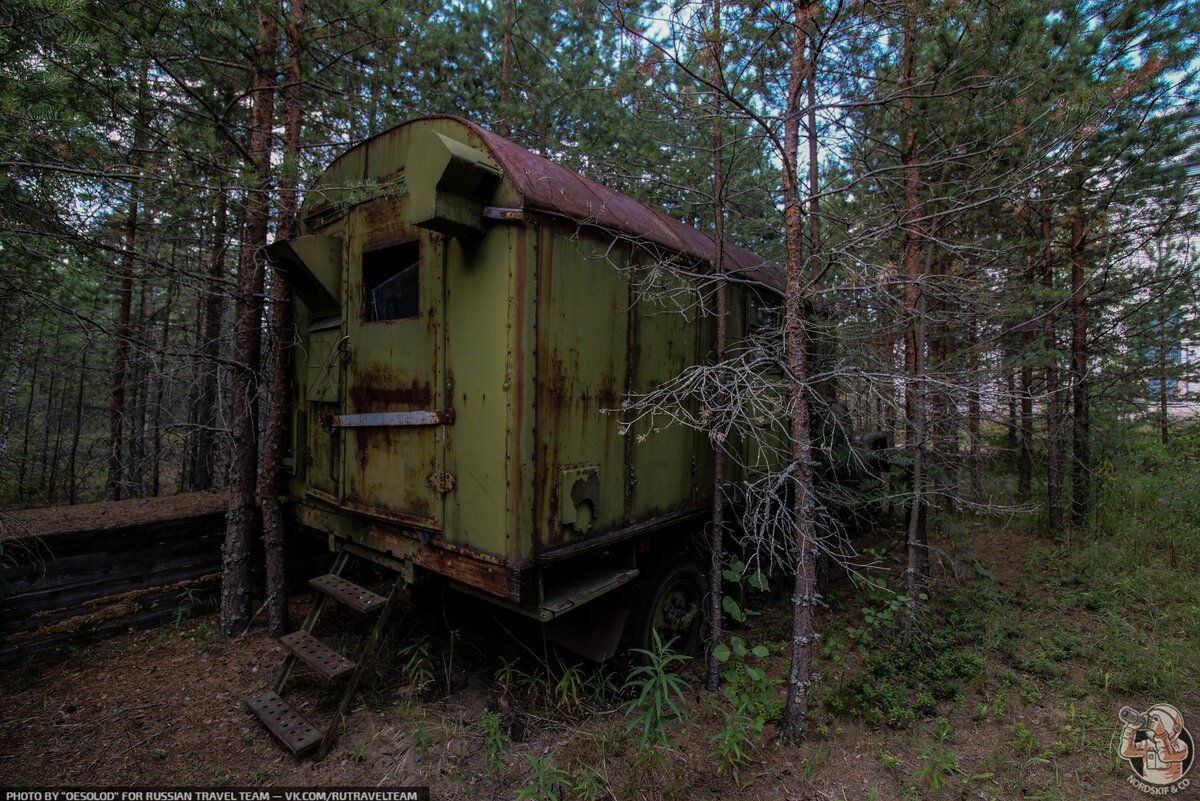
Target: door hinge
{"points": [[441, 482]]}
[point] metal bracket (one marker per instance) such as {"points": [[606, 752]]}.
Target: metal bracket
{"points": [[501, 213]]}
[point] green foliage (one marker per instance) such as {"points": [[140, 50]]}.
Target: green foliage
{"points": [[903, 674], [1025, 740], [548, 783], [657, 704], [542, 782], [495, 742], [532, 685], [189, 601], [421, 741], [733, 742], [1087, 614], [570, 690], [751, 700], [937, 768], [747, 687], [567, 690], [416, 667]]}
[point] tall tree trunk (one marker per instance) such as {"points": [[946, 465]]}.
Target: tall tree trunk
{"points": [[10, 392], [116, 397], [1025, 457], [208, 399], [26, 457], [56, 452], [159, 390], [1010, 393], [974, 411], [1164, 314], [280, 328], [917, 574], [77, 428], [240, 521], [797, 288], [717, 535], [1164, 433], [139, 377], [506, 46], [1081, 464], [1054, 507], [44, 455]]}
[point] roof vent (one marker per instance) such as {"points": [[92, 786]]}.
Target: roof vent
{"points": [[449, 183]]}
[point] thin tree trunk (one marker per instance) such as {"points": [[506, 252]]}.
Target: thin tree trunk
{"points": [[917, 574], [1010, 391], [1025, 457], [116, 398], [1054, 505], [510, 13], [159, 390], [1164, 313], [10, 392], [72, 479], [717, 535], [823, 342], [56, 452], [974, 429], [1081, 466], [797, 286], [280, 328], [240, 521], [1163, 432], [139, 379], [44, 455], [208, 399], [23, 465]]}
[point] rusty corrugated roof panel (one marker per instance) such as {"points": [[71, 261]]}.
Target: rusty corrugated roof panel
{"points": [[549, 187]]}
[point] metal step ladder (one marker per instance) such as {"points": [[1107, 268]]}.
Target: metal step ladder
{"points": [[289, 726]]}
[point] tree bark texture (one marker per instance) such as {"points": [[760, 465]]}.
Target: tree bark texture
{"points": [[917, 574], [241, 519], [280, 328], [116, 399], [716, 543], [1080, 431], [1025, 455], [208, 398], [1054, 506], [804, 509]]}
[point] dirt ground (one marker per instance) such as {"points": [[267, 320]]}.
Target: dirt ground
{"points": [[163, 707]]}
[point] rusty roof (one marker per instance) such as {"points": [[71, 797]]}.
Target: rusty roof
{"points": [[549, 187]]}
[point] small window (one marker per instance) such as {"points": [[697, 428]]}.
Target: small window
{"points": [[764, 316], [390, 282]]}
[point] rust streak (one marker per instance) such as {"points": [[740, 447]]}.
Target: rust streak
{"points": [[373, 393], [517, 387]]}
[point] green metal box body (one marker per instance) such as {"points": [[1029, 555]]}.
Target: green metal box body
{"points": [[478, 435]]}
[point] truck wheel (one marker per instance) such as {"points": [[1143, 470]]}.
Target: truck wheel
{"points": [[668, 599]]}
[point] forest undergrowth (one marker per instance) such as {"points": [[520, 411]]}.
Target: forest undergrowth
{"points": [[1006, 688]]}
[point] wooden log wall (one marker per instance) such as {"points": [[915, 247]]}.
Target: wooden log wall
{"points": [[61, 589], [73, 587]]}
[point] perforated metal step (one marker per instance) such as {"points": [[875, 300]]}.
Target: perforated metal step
{"points": [[327, 662], [288, 726], [347, 592]]}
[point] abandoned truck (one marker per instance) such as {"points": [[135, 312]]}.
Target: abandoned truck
{"points": [[467, 313]]}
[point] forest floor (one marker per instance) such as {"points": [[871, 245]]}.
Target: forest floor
{"points": [[1011, 691]]}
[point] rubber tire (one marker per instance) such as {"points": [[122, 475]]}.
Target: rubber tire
{"points": [[665, 577]]}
